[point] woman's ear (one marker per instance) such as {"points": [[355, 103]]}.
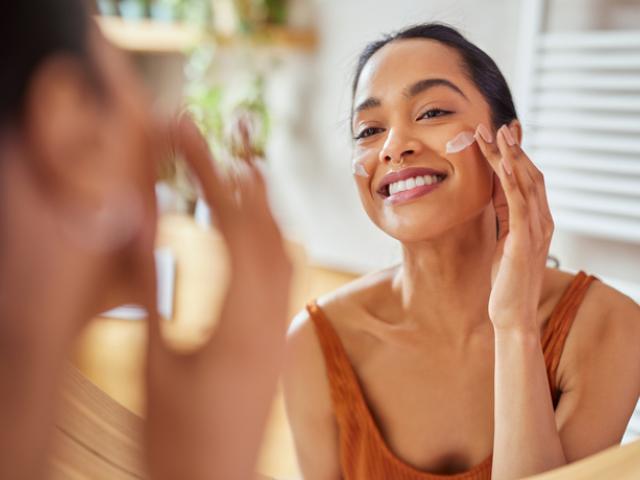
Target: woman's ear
{"points": [[64, 124], [61, 124], [516, 129]]}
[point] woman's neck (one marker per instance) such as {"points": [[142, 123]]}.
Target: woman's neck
{"points": [[444, 284]]}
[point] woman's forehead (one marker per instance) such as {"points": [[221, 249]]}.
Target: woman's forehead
{"points": [[403, 62]]}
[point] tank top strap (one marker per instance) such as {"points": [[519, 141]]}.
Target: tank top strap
{"points": [[342, 378], [557, 329]]}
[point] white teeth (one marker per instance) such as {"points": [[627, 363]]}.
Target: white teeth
{"points": [[411, 183]]}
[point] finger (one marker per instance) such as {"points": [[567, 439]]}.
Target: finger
{"points": [[533, 186], [217, 189], [517, 206], [486, 142], [510, 153], [515, 213], [501, 207], [245, 136], [538, 178], [489, 149], [249, 218]]}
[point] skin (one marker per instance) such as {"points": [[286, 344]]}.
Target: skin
{"points": [[446, 344], [80, 166]]}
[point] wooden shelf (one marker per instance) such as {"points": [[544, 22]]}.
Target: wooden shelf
{"points": [[275, 36], [148, 36]]}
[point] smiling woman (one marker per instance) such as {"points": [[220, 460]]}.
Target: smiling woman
{"points": [[470, 359]]}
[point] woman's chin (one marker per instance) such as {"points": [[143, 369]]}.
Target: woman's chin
{"points": [[412, 230]]}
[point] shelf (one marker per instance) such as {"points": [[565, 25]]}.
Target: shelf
{"points": [[148, 36], [275, 36]]}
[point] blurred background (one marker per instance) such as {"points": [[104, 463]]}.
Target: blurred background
{"points": [[286, 66]]}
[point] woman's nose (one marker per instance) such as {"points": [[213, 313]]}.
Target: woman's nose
{"points": [[397, 148]]}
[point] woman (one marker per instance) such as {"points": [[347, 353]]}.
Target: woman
{"points": [[470, 359], [79, 152]]}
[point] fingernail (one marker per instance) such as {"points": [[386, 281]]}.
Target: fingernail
{"points": [[506, 164], [508, 136], [485, 133]]}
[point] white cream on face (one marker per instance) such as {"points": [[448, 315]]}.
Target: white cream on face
{"points": [[455, 145], [359, 170], [460, 142]]}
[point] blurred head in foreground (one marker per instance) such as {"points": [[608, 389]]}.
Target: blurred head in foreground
{"points": [[76, 160]]}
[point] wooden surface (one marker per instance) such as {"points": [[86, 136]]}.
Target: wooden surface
{"points": [[95, 437], [153, 37], [146, 36], [615, 463]]}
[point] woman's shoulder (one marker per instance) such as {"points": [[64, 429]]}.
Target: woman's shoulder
{"points": [[601, 303], [344, 309], [605, 329], [341, 306]]}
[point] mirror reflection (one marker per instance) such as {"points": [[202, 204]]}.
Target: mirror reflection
{"points": [[320, 240]]}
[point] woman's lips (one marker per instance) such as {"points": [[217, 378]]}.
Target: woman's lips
{"points": [[408, 195], [405, 174]]}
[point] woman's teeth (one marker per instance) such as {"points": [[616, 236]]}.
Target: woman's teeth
{"points": [[414, 182]]}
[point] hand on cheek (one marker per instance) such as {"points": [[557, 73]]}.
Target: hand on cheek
{"points": [[525, 230]]}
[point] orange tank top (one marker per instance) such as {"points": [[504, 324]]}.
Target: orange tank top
{"points": [[364, 454]]}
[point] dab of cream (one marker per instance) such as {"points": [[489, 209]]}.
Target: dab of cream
{"points": [[460, 142], [359, 170]]}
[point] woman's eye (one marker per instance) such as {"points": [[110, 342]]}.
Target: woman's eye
{"points": [[367, 132], [433, 113]]}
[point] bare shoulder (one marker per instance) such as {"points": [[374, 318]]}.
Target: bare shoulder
{"points": [[608, 317], [346, 305], [599, 372], [339, 307], [605, 335], [308, 398], [304, 352], [307, 384]]}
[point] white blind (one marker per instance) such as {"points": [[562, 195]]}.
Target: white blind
{"points": [[583, 129]]}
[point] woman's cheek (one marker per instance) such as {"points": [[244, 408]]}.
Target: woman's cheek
{"points": [[475, 175]]}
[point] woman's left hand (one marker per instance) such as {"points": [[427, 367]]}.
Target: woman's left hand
{"points": [[525, 228]]}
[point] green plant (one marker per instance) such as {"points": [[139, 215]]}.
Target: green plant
{"points": [[217, 105]]}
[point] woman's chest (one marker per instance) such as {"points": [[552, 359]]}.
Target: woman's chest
{"points": [[435, 412]]}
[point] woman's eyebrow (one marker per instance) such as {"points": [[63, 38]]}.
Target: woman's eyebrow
{"points": [[367, 104], [428, 83], [411, 91]]}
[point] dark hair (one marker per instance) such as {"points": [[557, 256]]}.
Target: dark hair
{"points": [[31, 31], [481, 69]]}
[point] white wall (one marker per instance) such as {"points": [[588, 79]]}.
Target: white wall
{"points": [[614, 261]]}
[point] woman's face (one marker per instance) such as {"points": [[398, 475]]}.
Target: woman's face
{"points": [[413, 96]]}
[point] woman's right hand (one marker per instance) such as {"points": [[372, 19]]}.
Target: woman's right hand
{"points": [[207, 409]]}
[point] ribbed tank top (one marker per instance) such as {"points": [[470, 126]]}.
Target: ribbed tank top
{"points": [[364, 454]]}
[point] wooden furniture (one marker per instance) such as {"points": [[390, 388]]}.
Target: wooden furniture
{"points": [[621, 463], [95, 437], [153, 37]]}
